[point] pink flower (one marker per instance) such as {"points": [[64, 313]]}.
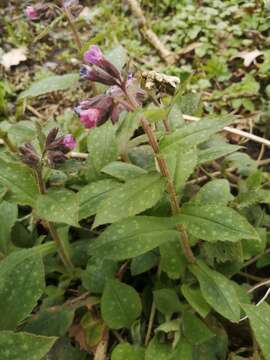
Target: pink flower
{"points": [[90, 117], [69, 142], [31, 12], [93, 55]]}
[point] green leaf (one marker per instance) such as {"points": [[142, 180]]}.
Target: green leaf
{"points": [[216, 191], [217, 290], [50, 323], [19, 179], [91, 195], [196, 300], [126, 351], [58, 205], [50, 84], [158, 351], [167, 301], [259, 317], [143, 263], [120, 304], [21, 285], [64, 350], [216, 222], [155, 114], [133, 237], [127, 124], [193, 134], [8, 217], [18, 346], [96, 274], [102, 148], [17, 258], [123, 171], [181, 165], [216, 152], [118, 56], [195, 330], [172, 260], [133, 197]]}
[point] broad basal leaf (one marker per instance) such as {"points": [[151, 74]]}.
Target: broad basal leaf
{"points": [[18, 346], [101, 144], [20, 288], [193, 134], [19, 179], [50, 84], [132, 237], [126, 351], [216, 222], [58, 205], [91, 195], [259, 317], [132, 198], [120, 304], [217, 290]]}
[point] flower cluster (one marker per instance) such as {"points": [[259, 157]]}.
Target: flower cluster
{"points": [[38, 11], [56, 149], [97, 110]]}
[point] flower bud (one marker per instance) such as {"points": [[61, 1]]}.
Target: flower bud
{"points": [[90, 117], [51, 136], [56, 157], [97, 76], [29, 155], [95, 56], [69, 142], [31, 12]]}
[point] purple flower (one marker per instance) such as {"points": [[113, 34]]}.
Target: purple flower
{"points": [[90, 117], [94, 55], [69, 142], [31, 12]]}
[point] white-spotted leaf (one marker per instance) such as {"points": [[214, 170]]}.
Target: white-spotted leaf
{"points": [[193, 134], [216, 191], [20, 180], [58, 205], [259, 318], [133, 197], [18, 346], [20, 288], [216, 223], [217, 290], [91, 195], [120, 305], [132, 237]]}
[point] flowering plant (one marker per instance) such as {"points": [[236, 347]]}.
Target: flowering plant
{"points": [[135, 219]]}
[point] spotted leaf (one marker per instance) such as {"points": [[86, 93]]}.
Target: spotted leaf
{"points": [[120, 304], [132, 198]]}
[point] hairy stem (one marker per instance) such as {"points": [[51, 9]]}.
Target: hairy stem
{"points": [[166, 173], [73, 27], [52, 230]]}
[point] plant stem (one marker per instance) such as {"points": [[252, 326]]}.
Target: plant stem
{"points": [[7, 142], [166, 173], [52, 230], [73, 27]]}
